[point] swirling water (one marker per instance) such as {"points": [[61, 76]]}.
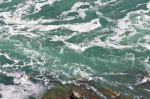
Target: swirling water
{"points": [[44, 43]]}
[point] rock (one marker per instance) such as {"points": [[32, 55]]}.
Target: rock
{"points": [[76, 94], [144, 80], [124, 97], [57, 93], [66, 92], [109, 93], [82, 92]]}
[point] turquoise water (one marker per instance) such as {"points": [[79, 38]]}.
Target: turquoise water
{"points": [[45, 43]]}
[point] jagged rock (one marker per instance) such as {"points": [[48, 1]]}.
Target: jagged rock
{"points": [[76, 94], [66, 92], [82, 92], [109, 92], [144, 81]]}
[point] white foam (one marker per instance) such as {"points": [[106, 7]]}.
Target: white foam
{"points": [[39, 4], [108, 44], [5, 1], [130, 23], [112, 73], [79, 27], [147, 90], [102, 3], [138, 19], [77, 5], [81, 47], [76, 8], [123, 25], [147, 38], [84, 27], [9, 57], [18, 24], [22, 89], [147, 46], [15, 23], [76, 47], [148, 5], [81, 74]]}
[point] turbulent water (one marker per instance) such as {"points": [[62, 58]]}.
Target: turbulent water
{"points": [[45, 43]]}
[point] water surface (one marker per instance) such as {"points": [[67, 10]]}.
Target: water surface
{"points": [[45, 43]]}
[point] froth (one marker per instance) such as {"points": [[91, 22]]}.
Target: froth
{"points": [[22, 88], [148, 5], [81, 74], [39, 4], [79, 27], [5, 1]]}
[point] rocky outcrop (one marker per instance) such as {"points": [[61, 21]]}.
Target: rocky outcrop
{"points": [[81, 92], [69, 92]]}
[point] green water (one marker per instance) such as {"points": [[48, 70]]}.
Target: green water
{"points": [[45, 43]]}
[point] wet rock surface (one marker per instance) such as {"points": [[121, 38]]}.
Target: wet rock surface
{"points": [[82, 92], [84, 89], [69, 92]]}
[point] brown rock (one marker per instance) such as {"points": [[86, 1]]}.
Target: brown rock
{"points": [[109, 93], [57, 93], [81, 92], [66, 92]]}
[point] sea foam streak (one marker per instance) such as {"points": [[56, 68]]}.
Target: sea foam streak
{"points": [[79, 27]]}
